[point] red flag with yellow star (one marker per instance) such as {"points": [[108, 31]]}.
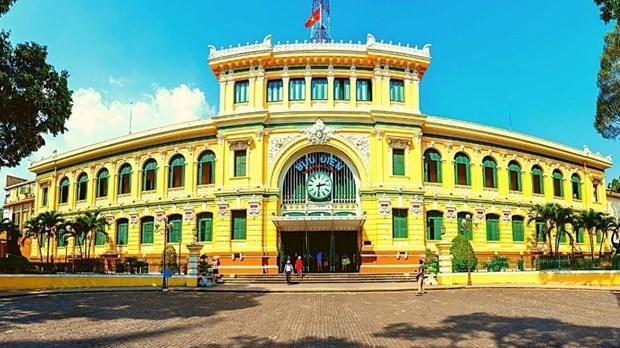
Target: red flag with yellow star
{"points": [[315, 17]]}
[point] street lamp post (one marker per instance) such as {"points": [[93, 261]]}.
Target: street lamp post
{"points": [[165, 231], [466, 224]]}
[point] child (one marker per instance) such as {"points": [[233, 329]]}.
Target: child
{"points": [[299, 266]]}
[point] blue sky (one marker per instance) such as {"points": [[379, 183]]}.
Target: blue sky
{"points": [[542, 57]]}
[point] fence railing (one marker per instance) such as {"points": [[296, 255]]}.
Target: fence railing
{"points": [[548, 263]]}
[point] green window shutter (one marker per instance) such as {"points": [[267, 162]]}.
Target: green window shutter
{"points": [[456, 173], [122, 233], [205, 228], [147, 231], [399, 223], [492, 229], [434, 222], [174, 235], [519, 187], [398, 162], [240, 163], [562, 237], [540, 231], [426, 169], [439, 175], [61, 238], [517, 230], [598, 237], [100, 238], [239, 224], [580, 235]]}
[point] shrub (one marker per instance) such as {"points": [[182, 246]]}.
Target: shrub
{"points": [[14, 264], [431, 262], [89, 265], [497, 263], [459, 255]]}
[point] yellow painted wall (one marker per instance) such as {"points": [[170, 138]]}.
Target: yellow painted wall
{"points": [[594, 278], [40, 282]]}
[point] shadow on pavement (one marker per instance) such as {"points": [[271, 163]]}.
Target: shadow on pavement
{"points": [[505, 331]]}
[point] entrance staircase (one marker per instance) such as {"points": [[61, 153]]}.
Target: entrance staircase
{"points": [[317, 278]]}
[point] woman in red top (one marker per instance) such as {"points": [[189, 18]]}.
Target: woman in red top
{"points": [[299, 266]]}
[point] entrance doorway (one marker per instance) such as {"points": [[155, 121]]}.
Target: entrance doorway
{"points": [[332, 245]]}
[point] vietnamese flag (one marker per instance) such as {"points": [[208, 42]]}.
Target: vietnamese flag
{"points": [[315, 17]]}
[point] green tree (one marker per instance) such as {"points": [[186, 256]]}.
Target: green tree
{"points": [[544, 213], [607, 119], [589, 220], [13, 235], [459, 251], [89, 224], [34, 99], [607, 224], [170, 259], [51, 221], [610, 9], [614, 185], [563, 217]]}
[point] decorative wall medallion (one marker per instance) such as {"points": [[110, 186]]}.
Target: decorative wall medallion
{"points": [[506, 215], [222, 207], [133, 217], [361, 143], [159, 215], [418, 137], [277, 143], [109, 218], [188, 212], [319, 133], [479, 212], [451, 211], [416, 205], [254, 207], [385, 206]]}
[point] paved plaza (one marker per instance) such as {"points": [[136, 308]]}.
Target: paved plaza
{"points": [[441, 318]]}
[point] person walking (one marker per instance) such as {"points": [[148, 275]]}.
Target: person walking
{"points": [[288, 269], [299, 266], [420, 279]]}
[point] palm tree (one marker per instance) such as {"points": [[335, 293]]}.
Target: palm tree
{"points": [[34, 229], [544, 213], [77, 230], [590, 220], [607, 224], [13, 235], [562, 216], [51, 221], [91, 223]]}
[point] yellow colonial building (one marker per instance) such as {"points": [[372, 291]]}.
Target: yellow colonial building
{"points": [[320, 147]]}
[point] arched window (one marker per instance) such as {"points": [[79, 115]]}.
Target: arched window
{"points": [[205, 227], [177, 171], [63, 196], [102, 183], [434, 221], [82, 187], [492, 227], [465, 225], [122, 231], [461, 169], [149, 175], [489, 172], [558, 189], [124, 179], [576, 184], [147, 230], [517, 229], [514, 176], [432, 166], [177, 228], [206, 168], [538, 186]]}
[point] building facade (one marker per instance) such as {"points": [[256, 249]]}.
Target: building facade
{"points": [[320, 147], [18, 207]]}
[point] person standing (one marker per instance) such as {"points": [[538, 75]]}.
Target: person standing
{"points": [[288, 269], [319, 261], [299, 266], [420, 279]]}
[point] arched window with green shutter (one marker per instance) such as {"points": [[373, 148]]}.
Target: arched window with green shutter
{"points": [[489, 172], [149, 175], [205, 227], [206, 168], [174, 235], [177, 172], [434, 222], [576, 185], [558, 185], [461, 169], [122, 231], [102, 183], [492, 227], [517, 229], [124, 179], [514, 176], [82, 187], [147, 230], [538, 186], [432, 166], [63, 196]]}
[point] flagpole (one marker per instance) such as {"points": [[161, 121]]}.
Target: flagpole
{"points": [[320, 23]]}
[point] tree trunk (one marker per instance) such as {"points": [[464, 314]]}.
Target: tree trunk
{"points": [[600, 249], [40, 241], [590, 232]]}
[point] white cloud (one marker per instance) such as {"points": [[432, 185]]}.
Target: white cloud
{"points": [[119, 82], [95, 119]]}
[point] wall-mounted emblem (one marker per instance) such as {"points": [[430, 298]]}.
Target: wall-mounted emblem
{"points": [[133, 217], [319, 133], [188, 213], [416, 206], [506, 215], [385, 206], [222, 207], [479, 213], [254, 207], [451, 211]]}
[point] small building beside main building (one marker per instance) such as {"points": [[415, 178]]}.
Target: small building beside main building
{"points": [[320, 147]]}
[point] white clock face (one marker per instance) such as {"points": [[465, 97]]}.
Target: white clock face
{"points": [[319, 185]]}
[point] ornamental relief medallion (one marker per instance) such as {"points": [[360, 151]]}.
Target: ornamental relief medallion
{"points": [[361, 144], [277, 144]]}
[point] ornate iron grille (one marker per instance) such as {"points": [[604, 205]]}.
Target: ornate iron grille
{"points": [[344, 188]]}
